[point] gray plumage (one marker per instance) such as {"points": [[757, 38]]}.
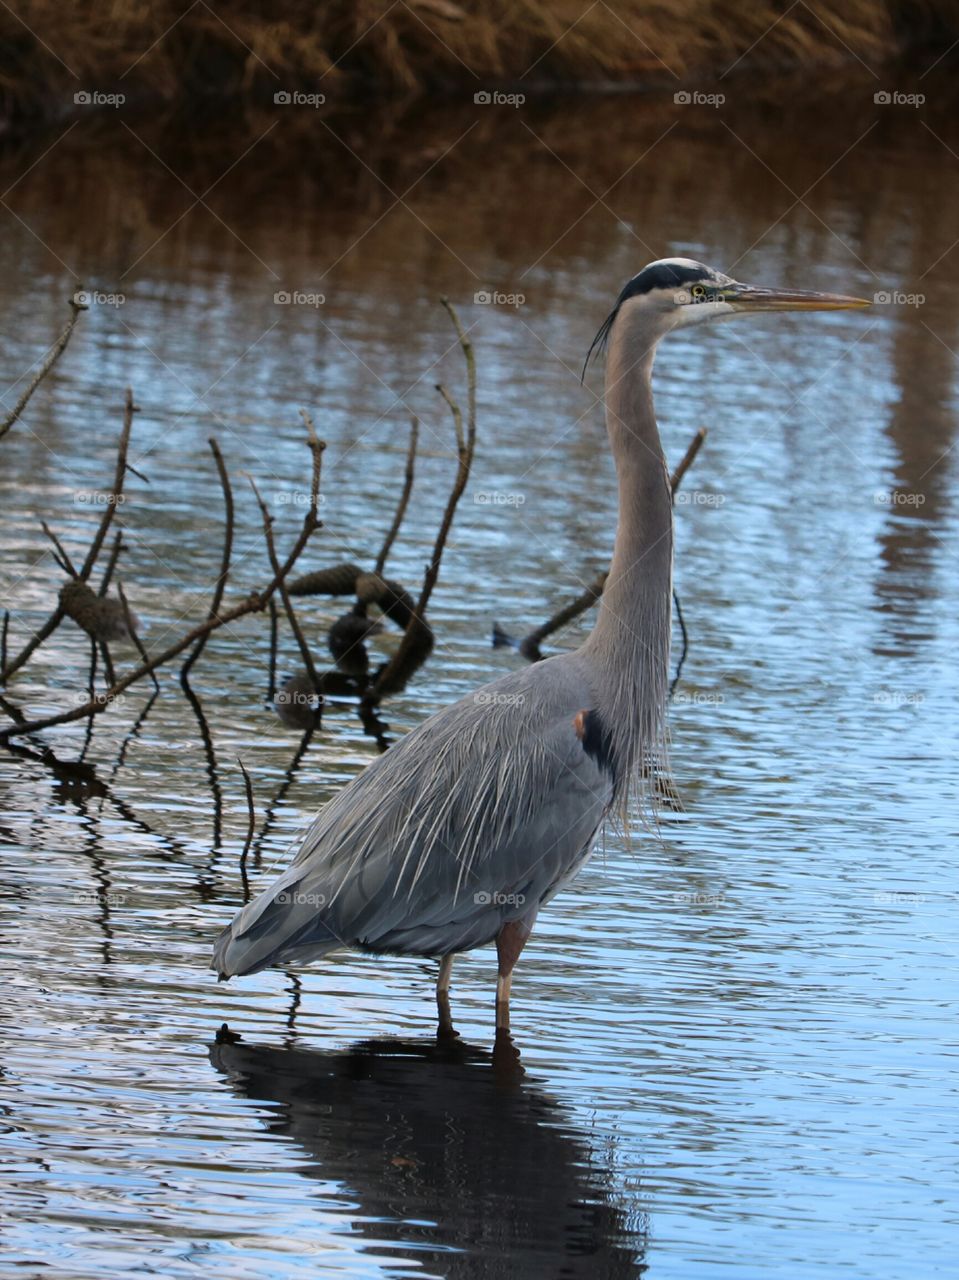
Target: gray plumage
{"points": [[470, 824]]}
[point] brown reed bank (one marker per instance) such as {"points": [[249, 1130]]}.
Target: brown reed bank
{"points": [[59, 60]]}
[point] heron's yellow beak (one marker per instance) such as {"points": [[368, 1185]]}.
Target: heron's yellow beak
{"points": [[748, 297]]}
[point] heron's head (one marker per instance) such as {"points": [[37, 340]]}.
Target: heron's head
{"points": [[674, 293]]}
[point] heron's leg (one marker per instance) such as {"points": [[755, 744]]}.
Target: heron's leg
{"points": [[510, 942], [445, 1027]]}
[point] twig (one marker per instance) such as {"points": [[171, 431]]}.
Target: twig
{"points": [[687, 459], [3, 639], [394, 672], [255, 602], [250, 828], [116, 493], [404, 496], [60, 554], [33, 643], [111, 675], [529, 646], [294, 621], [132, 628], [112, 561], [52, 356], [271, 671], [225, 558], [51, 624], [683, 632]]}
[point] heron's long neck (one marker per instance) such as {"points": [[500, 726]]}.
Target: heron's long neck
{"points": [[630, 642]]}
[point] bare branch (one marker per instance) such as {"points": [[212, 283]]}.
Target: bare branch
{"points": [[410, 652], [52, 356], [113, 558], [132, 628], [687, 459], [255, 602], [250, 828], [60, 554], [225, 558], [294, 621], [116, 493], [404, 496]]}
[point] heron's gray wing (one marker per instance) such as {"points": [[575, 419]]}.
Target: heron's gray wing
{"points": [[476, 817]]}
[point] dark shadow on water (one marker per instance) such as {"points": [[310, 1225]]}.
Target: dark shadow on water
{"points": [[449, 1156]]}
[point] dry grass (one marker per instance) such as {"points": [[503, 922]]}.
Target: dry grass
{"points": [[181, 52]]}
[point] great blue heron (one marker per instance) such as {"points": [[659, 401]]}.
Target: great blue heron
{"points": [[460, 833]]}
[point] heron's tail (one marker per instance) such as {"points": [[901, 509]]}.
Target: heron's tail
{"points": [[280, 925]]}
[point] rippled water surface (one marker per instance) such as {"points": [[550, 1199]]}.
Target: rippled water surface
{"points": [[734, 1039]]}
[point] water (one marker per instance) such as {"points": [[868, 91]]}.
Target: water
{"points": [[733, 1040]]}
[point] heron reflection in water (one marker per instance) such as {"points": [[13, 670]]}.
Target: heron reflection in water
{"points": [[447, 1156]]}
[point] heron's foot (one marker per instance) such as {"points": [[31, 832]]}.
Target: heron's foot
{"points": [[445, 1029]]}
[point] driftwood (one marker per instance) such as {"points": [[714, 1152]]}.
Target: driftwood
{"points": [[107, 618], [81, 603]]}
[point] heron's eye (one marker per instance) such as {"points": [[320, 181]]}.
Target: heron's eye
{"points": [[698, 291]]}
